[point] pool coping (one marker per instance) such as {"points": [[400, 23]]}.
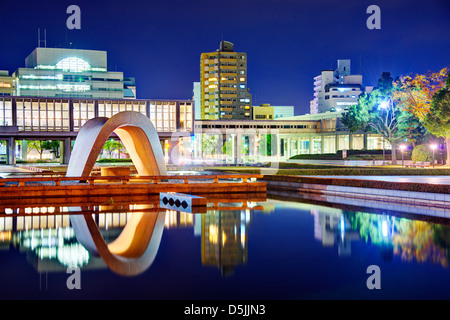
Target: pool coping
{"points": [[335, 187]]}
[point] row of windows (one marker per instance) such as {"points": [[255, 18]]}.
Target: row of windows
{"points": [[54, 114], [245, 126], [341, 96]]}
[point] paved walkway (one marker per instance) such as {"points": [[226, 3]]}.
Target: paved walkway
{"points": [[6, 171]]}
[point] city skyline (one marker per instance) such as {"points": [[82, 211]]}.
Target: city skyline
{"points": [[288, 43]]}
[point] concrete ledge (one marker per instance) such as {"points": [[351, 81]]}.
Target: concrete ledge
{"points": [[85, 190], [394, 196]]}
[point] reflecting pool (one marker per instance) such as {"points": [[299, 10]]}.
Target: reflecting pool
{"points": [[268, 249]]}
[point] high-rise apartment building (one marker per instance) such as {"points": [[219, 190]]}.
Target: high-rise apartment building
{"points": [[335, 90], [223, 78], [7, 83]]}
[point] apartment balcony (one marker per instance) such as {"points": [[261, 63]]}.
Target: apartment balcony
{"points": [[228, 67], [229, 81], [228, 88], [228, 60]]}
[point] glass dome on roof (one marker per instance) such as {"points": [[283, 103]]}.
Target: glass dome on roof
{"points": [[73, 64]]}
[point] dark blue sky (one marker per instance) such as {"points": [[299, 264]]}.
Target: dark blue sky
{"points": [[288, 42]]}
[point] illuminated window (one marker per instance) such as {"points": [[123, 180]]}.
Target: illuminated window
{"points": [[242, 79], [5, 112], [73, 65]]}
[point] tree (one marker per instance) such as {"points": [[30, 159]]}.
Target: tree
{"points": [[112, 145], [411, 129], [437, 120], [377, 112], [37, 145], [415, 94], [356, 117], [52, 146]]}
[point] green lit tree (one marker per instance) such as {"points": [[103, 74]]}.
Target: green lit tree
{"points": [[376, 112], [437, 120], [42, 145], [112, 145]]}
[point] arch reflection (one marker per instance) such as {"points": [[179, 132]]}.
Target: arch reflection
{"points": [[135, 248]]}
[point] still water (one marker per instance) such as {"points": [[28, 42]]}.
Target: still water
{"points": [[236, 250]]}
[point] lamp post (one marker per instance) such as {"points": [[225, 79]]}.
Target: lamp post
{"points": [[433, 147], [384, 105], [402, 148]]}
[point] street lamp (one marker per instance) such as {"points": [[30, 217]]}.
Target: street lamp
{"points": [[402, 148], [384, 105], [434, 147]]}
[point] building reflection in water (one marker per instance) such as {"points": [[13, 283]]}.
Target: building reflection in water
{"points": [[224, 239], [46, 236], [332, 228]]}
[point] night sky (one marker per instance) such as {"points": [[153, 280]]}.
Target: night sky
{"points": [[288, 42]]}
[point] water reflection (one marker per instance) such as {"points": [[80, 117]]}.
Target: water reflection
{"points": [[122, 237], [125, 238], [411, 240]]}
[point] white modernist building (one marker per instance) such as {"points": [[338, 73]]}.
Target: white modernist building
{"points": [[335, 90], [71, 73]]}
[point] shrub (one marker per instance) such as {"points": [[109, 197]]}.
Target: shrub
{"points": [[422, 153]]}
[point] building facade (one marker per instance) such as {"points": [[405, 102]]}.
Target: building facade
{"points": [[268, 112], [241, 141], [7, 84], [39, 118], [224, 90], [336, 90], [71, 73]]}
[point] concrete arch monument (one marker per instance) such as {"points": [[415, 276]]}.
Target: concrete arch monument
{"points": [[137, 134], [135, 248]]}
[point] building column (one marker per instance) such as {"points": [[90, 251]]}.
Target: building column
{"points": [[24, 150], [11, 151], [336, 142], [238, 151], [322, 144], [288, 153], [311, 145], [65, 150], [278, 147]]}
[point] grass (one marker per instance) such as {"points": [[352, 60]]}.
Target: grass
{"points": [[322, 170]]}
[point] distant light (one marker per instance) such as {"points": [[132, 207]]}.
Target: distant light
{"points": [[384, 104], [402, 147], [434, 146]]}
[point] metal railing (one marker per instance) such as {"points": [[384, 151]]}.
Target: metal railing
{"points": [[102, 180]]}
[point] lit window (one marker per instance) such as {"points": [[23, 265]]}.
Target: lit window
{"points": [[73, 65], [242, 86], [242, 79]]}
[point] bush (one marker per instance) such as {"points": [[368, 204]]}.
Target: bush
{"points": [[422, 153], [113, 160], [361, 171]]}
